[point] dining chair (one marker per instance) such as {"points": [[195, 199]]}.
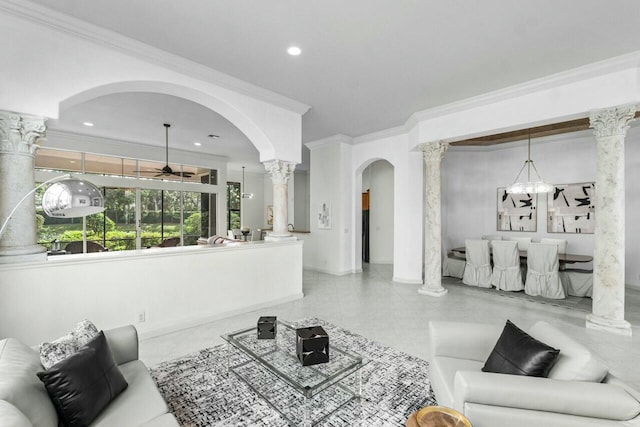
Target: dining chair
{"points": [[506, 274], [256, 235], [523, 242], [477, 271], [453, 265], [577, 282], [543, 278], [562, 244]]}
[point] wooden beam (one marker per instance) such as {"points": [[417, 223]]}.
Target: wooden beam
{"points": [[522, 134]]}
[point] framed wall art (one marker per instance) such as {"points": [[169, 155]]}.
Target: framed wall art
{"points": [[516, 212], [571, 208], [324, 216]]}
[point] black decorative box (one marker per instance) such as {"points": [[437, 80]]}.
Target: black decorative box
{"points": [[312, 345], [267, 327]]}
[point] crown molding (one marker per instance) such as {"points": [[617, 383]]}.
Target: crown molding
{"points": [[119, 147], [596, 69], [375, 136], [77, 28], [335, 139]]}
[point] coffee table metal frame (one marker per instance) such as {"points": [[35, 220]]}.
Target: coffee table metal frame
{"points": [[307, 380]]}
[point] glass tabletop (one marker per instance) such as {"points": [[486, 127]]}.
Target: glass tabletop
{"points": [[279, 357]]}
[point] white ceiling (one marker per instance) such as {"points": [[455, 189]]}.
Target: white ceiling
{"points": [[367, 65]]}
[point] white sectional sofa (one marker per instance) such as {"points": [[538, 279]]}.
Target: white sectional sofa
{"points": [[574, 395], [24, 401]]}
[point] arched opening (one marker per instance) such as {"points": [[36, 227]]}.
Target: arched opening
{"points": [[257, 137], [375, 219]]}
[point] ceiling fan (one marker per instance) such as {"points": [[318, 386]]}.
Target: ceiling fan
{"points": [[166, 170]]}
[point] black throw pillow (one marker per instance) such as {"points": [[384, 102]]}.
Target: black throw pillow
{"points": [[83, 384], [518, 353]]}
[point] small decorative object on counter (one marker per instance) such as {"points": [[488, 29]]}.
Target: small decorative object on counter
{"points": [[312, 345], [267, 327]]}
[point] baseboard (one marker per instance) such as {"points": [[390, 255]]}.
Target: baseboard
{"points": [[332, 272], [407, 281], [190, 323], [381, 261]]}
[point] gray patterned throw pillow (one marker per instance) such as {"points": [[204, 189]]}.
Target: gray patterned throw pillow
{"points": [[58, 350]]}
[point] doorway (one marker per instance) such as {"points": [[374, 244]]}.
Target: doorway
{"points": [[377, 213]]}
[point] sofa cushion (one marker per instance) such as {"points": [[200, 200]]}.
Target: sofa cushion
{"points": [[518, 353], [10, 416], [19, 384], [575, 362], [138, 404], [58, 350], [442, 374], [83, 384]]}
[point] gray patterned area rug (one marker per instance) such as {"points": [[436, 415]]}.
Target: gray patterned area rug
{"points": [[199, 393]]}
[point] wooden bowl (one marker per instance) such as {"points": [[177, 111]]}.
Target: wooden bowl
{"points": [[440, 416]]}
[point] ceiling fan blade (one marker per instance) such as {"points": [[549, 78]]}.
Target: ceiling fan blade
{"points": [[155, 171]]}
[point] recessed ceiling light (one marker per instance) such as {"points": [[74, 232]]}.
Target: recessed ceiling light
{"points": [[87, 124], [197, 144], [294, 50], [213, 136], [72, 161]]}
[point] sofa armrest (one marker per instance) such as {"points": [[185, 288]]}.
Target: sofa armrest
{"points": [[463, 340], [123, 342], [587, 399]]}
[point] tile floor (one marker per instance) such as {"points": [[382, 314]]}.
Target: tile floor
{"points": [[394, 314]]}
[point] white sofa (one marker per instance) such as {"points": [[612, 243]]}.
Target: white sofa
{"points": [[24, 401], [570, 397]]}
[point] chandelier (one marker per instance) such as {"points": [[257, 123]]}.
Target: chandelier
{"points": [[529, 187]]}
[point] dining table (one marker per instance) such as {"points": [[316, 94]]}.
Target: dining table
{"points": [[562, 258]]}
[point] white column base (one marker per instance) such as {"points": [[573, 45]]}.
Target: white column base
{"points": [[621, 327], [433, 292], [283, 238]]}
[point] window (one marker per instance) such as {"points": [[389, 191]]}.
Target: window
{"points": [[164, 209], [233, 205]]}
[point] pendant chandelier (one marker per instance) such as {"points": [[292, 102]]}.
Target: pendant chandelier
{"points": [[529, 187], [245, 195]]}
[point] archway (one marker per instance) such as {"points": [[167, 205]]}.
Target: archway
{"points": [[375, 219], [257, 137]]}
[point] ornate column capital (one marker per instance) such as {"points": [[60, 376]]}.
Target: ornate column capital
{"points": [[21, 133], [433, 151], [279, 170], [612, 121]]}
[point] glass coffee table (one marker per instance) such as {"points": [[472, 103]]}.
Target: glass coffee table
{"points": [[303, 395]]}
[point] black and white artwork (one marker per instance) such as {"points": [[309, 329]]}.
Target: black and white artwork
{"points": [[571, 208], [516, 212]]}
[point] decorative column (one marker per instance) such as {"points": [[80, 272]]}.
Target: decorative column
{"points": [[610, 127], [280, 172], [19, 138], [433, 154]]}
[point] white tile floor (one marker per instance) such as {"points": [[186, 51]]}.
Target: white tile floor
{"points": [[394, 314]]}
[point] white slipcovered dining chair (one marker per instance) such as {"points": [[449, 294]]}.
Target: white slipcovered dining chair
{"points": [[562, 244], [477, 271], [542, 272], [577, 282], [506, 274], [523, 242], [492, 237]]}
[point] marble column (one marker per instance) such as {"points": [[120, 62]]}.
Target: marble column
{"points": [[19, 138], [610, 128], [433, 154], [280, 172]]}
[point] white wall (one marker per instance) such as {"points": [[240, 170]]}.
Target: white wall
{"points": [[378, 179], [176, 287], [471, 179], [301, 192]]}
